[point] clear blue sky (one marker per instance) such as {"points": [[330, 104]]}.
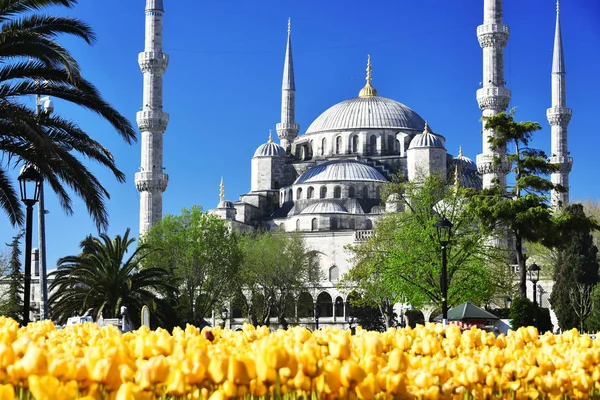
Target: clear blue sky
{"points": [[222, 87]]}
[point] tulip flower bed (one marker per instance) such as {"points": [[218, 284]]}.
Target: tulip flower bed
{"points": [[88, 362]]}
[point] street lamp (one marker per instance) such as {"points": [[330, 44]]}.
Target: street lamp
{"points": [[29, 184], [507, 302], [224, 315], [534, 277], [317, 311], [444, 231], [351, 324]]}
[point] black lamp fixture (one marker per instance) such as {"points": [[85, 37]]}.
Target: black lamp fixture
{"points": [[534, 277], [444, 231], [224, 315], [507, 302], [29, 184], [317, 311]]}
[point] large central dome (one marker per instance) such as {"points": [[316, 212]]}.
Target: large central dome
{"points": [[373, 112]]}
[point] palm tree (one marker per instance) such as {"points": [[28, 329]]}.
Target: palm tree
{"points": [[32, 62], [99, 280]]}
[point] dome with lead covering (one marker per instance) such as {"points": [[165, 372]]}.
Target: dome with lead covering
{"points": [[270, 149], [372, 112], [426, 139], [465, 163], [324, 207], [341, 170]]}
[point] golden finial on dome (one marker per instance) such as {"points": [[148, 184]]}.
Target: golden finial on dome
{"points": [[368, 90], [426, 129], [222, 190], [460, 153], [557, 6], [270, 136]]}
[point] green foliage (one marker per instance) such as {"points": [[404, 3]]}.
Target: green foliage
{"points": [[276, 267], [576, 264], [402, 260], [30, 54], [369, 318], [522, 313], [11, 302], [521, 209], [593, 321], [202, 254], [543, 320], [102, 279]]}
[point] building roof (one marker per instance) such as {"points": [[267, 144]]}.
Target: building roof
{"points": [[467, 311], [426, 139], [368, 112], [270, 149], [324, 207], [341, 170], [465, 163]]}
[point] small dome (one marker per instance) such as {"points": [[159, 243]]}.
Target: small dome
{"points": [[341, 170], [324, 207], [270, 149], [354, 207], [225, 204], [426, 139], [465, 163]]}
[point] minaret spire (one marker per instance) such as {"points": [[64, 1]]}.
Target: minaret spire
{"points": [[493, 97], [558, 117], [368, 90], [287, 129], [222, 190], [151, 181]]}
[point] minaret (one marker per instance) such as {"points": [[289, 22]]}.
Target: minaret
{"points": [[493, 97], [288, 129], [151, 182], [559, 116]]}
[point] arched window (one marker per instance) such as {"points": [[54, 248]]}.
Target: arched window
{"points": [[323, 146], [338, 145], [337, 192], [373, 144], [399, 147], [299, 194], [390, 141], [365, 192], [334, 274], [325, 304], [378, 193], [369, 224], [302, 153], [305, 306], [311, 149], [351, 192], [323, 192], [352, 224], [355, 144], [339, 307], [282, 226], [297, 224], [333, 223], [310, 192], [314, 224], [290, 195]]}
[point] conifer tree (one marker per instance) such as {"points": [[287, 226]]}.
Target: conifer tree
{"points": [[13, 305], [577, 264], [521, 210]]}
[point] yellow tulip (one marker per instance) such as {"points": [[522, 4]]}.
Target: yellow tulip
{"points": [[367, 388], [7, 392], [217, 369], [237, 373], [351, 374], [44, 387]]}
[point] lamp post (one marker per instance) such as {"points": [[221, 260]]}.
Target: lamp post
{"points": [[224, 315], [29, 184], [351, 323], [444, 231], [534, 277], [317, 311]]}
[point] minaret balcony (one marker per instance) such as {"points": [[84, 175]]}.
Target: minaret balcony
{"points": [[492, 35], [283, 126], [153, 121], [487, 164], [559, 115], [153, 61], [151, 181], [495, 98], [566, 163]]}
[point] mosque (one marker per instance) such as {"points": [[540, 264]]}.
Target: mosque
{"points": [[327, 182]]}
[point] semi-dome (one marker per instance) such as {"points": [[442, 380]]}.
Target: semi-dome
{"points": [[426, 139], [341, 170], [270, 149], [370, 112], [465, 163], [324, 207], [225, 204]]}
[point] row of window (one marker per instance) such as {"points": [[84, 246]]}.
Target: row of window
{"points": [[392, 146], [337, 193], [334, 224]]}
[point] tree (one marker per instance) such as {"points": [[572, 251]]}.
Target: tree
{"points": [[12, 301], [199, 250], [582, 303], [100, 280], [32, 62], [576, 263], [402, 260], [592, 210], [521, 211], [276, 268]]}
